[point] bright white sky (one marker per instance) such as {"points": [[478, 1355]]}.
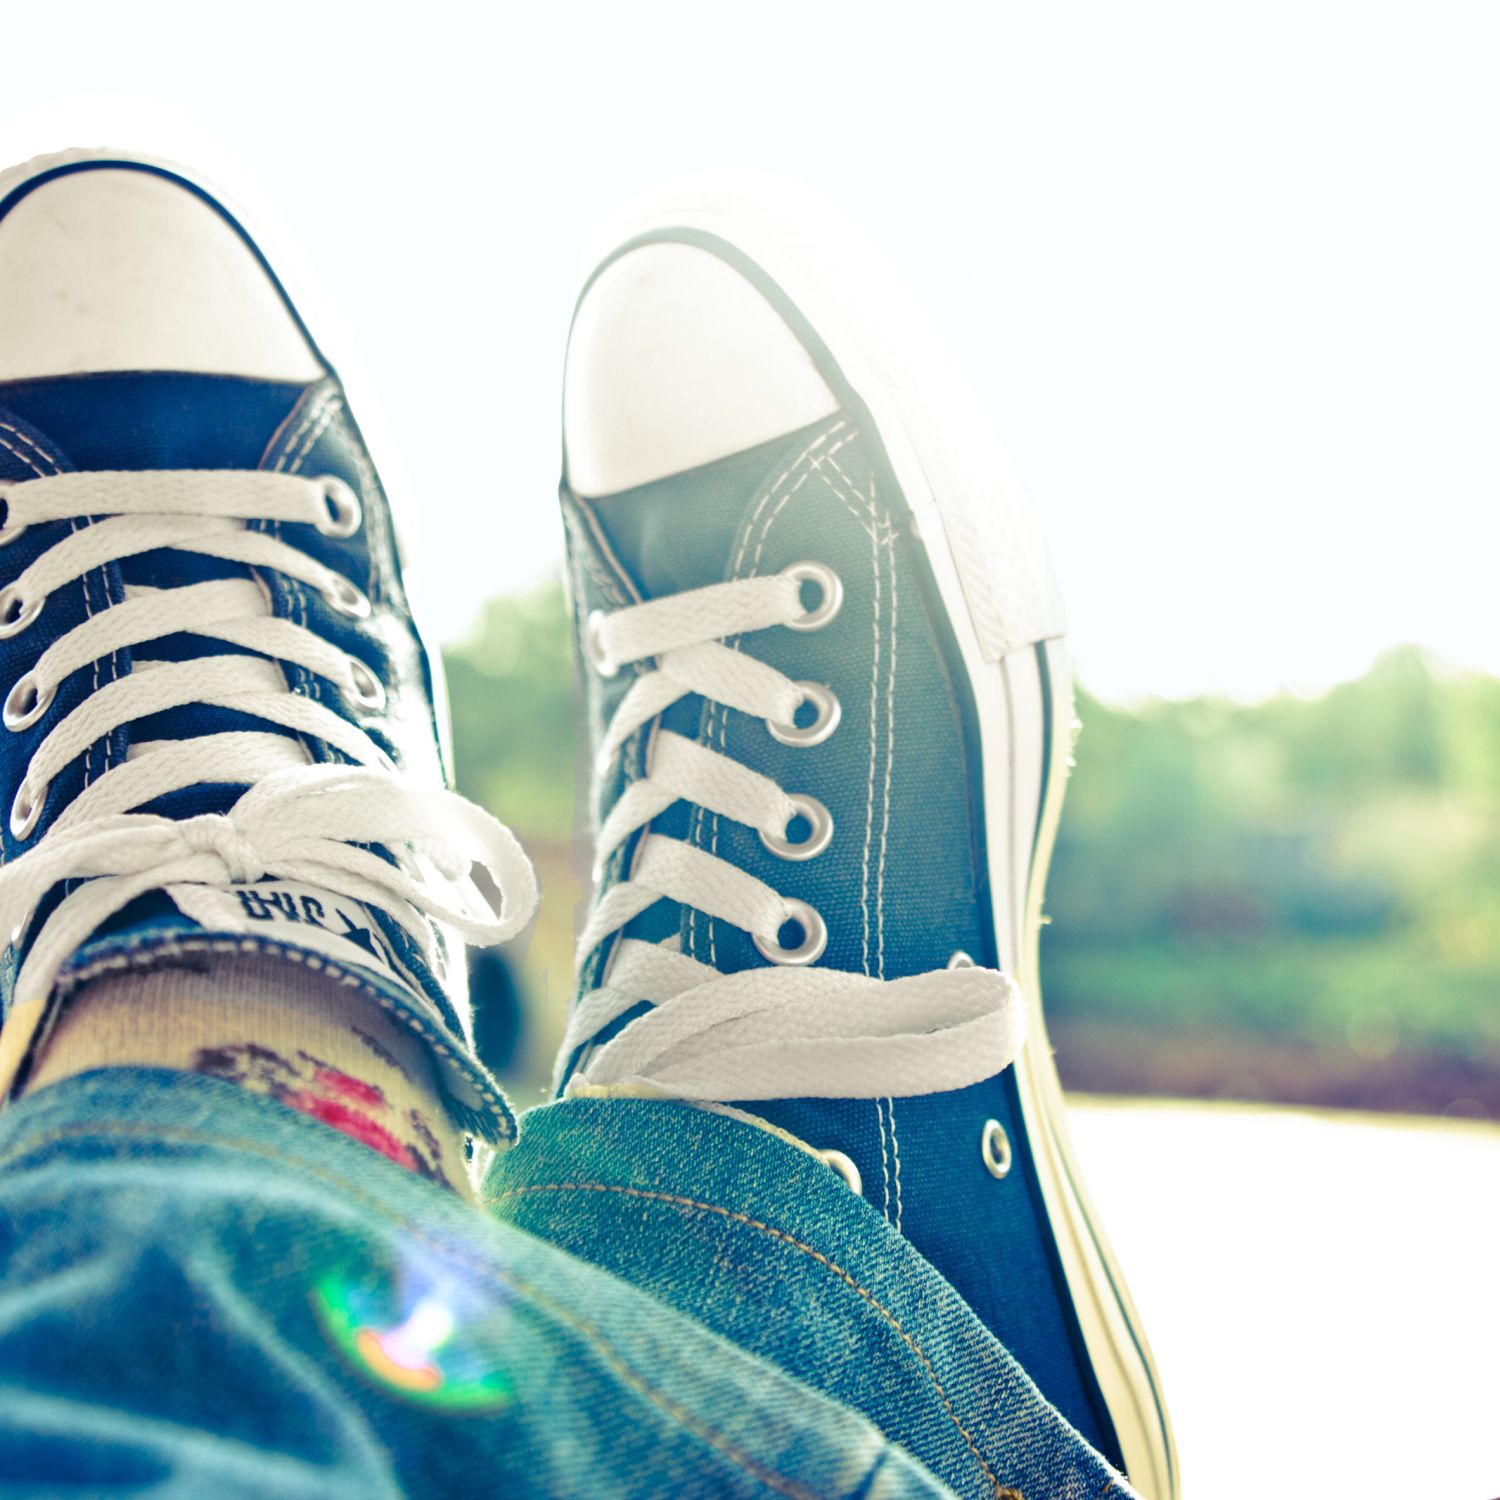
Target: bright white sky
{"points": [[1227, 275]]}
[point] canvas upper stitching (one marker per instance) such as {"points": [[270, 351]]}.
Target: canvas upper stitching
{"points": [[310, 437], [890, 1106], [885, 1175], [380, 532], [583, 528], [312, 415], [885, 825], [885, 816], [283, 441], [309, 415], [864, 888], [890, 760], [35, 447], [86, 580], [885, 533], [88, 610], [882, 535], [718, 714], [310, 431], [765, 499], [677, 1200], [318, 409], [876, 533], [584, 551], [55, 467]]}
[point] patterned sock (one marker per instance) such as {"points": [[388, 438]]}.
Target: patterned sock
{"points": [[276, 1028]]}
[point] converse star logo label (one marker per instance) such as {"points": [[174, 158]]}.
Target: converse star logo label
{"points": [[291, 912]]}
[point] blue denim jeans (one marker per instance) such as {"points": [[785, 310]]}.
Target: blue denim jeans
{"points": [[206, 1293]]}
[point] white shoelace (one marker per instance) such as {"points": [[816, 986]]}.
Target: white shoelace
{"points": [[298, 820], [788, 1031]]}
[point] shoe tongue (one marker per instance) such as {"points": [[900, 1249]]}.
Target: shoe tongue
{"points": [[680, 533], [155, 419], [165, 420]]}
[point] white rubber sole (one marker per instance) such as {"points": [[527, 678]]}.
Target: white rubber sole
{"points": [[989, 564]]}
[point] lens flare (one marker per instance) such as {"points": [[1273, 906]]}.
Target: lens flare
{"points": [[422, 1356]]}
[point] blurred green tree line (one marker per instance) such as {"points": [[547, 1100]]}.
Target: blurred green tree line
{"points": [[1236, 888]]}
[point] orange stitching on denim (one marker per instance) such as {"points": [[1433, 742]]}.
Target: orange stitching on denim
{"points": [[777, 1234], [748, 1462], [679, 1413]]}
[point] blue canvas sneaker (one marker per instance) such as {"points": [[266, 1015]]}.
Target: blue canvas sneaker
{"points": [[830, 708], [219, 728]]}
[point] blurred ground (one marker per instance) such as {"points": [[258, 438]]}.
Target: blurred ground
{"points": [[1218, 1062], [1320, 1291]]}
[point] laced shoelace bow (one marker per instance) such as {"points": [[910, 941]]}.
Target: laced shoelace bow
{"points": [[296, 820], [789, 1030]]}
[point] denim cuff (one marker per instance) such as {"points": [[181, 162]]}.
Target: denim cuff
{"points": [[763, 1243], [203, 1292]]}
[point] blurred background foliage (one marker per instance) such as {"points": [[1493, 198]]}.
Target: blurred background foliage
{"points": [[1297, 899]]}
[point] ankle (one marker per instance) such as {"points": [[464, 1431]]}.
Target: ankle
{"points": [[279, 1029]]}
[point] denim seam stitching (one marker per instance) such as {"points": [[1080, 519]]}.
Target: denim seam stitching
{"points": [[590, 1331], [668, 1404], [738, 1217]]}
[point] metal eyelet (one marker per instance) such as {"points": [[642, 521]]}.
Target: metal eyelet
{"points": [[16, 612], [829, 711], [994, 1147], [819, 819], [344, 510], [26, 702], [814, 936], [344, 597], [844, 1167], [828, 605], [8, 533], [365, 687], [593, 645], [961, 960], [26, 810]]}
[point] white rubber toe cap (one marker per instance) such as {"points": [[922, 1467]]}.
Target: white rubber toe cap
{"points": [[117, 269], [675, 360]]}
